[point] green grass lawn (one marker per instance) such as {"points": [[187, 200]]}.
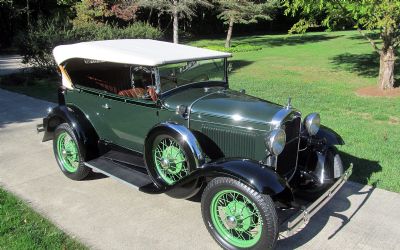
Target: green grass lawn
{"points": [[321, 71], [22, 228]]}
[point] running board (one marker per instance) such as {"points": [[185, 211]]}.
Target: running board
{"points": [[129, 174]]}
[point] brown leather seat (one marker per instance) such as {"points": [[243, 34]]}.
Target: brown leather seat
{"points": [[133, 93], [105, 85]]}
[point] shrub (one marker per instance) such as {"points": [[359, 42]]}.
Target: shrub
{"points": [[96, 31], [37, 44]]}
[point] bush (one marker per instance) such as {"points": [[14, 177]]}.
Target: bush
{"points": [[37, 44], [96, 31], [235, 48]]}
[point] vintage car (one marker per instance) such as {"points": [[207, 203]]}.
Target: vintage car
{"points": [[161, 117]]}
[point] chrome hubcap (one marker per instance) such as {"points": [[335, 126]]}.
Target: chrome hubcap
{"points": [[231, 222], [164, 163]]}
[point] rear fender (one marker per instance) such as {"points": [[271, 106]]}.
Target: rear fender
{"points": [[83, 129]]}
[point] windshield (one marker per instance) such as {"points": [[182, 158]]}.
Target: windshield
{"points": [[179, 74]]}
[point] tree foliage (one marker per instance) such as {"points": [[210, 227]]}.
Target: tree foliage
{"points": [[176, 9], [244, 12], [382, 16], [37, 44]]}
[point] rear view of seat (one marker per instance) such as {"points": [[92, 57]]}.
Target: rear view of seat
{"points": [[133, 93], [105, 85]]}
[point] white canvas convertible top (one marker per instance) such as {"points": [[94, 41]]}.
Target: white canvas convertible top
{"points": [[134, 51]]}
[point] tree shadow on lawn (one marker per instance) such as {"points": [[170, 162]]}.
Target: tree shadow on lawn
{"points": [[372, 35], [234, 65], [363, 64], [362, 171], [272, 41]]}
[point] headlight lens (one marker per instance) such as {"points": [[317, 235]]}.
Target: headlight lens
{"points": [[312, 123], [275, 141]]}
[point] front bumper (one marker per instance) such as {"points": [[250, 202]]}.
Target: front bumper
{"points": [[301, 218]]}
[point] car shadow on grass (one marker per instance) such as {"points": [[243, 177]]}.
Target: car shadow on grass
{"points": [[340, 205]]}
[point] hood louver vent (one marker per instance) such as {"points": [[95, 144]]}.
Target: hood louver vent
{"points": [[233, 143]]}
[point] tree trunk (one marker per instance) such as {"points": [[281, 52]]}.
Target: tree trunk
{"points": [[150, 14], [386, 69], [159, 20], [176, 23], [229, 35]]}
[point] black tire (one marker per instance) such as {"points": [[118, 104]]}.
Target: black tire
{"points": [[264, 204], [182, 192], [81, 171]]}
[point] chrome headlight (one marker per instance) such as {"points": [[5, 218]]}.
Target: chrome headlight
{"points": [[312, 123], [275, 141]]}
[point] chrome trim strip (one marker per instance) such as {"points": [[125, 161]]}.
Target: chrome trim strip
{"points": [[281, 116], [228, 125], [280, 119], [292, 224]]}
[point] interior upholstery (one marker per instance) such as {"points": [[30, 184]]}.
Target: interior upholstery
{"points": [[133, 93]]}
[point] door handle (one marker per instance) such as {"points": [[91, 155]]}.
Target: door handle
{"points": [[105, 106]]}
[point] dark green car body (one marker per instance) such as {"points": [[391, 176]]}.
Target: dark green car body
{"points": [[175, 127], [224, 123]]}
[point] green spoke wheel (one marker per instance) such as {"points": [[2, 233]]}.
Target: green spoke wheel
{"points": [[170, 160], [68, 152], [239, 217], [236, 218]]}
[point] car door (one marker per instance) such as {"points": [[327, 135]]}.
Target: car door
{"points": [[128, 119], [113, 98]]}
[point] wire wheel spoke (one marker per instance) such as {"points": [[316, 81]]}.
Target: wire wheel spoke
{"points": [[236, 218], [67, 152], [170, 160]]}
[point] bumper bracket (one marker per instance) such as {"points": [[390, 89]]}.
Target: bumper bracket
{"points": [[302, 217]]}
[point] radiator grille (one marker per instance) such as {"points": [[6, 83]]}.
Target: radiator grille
{"points": [[233, 143], [287, 160]]}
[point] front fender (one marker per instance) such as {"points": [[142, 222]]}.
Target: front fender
{"points": [[330, 136], [184, 133], [263, 179]]}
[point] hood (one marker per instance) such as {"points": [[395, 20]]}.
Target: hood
{"points": [[234, 108], [227, 107]]}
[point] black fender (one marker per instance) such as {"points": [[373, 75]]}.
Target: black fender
{"points": [[263, 179], [83, 129], [330, 136], [190, 143], [186, 135]]}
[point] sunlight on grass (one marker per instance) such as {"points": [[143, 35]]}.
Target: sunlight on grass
{"points": [[22, 228], [321, 71]]}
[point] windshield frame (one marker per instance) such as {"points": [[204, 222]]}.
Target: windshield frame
{"points": [[209, 83]]}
